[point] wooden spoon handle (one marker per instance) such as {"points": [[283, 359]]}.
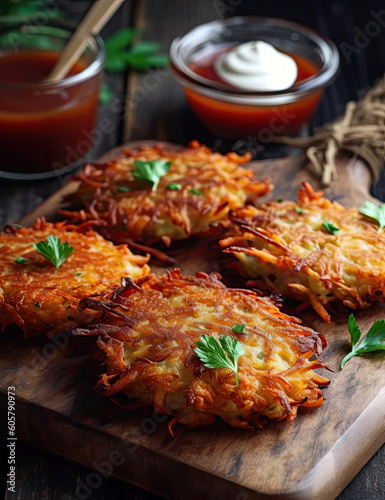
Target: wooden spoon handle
{"points": [[96, 18]]}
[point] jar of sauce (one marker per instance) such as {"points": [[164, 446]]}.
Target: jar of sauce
{"points": [[235, 111], [46, 129]]}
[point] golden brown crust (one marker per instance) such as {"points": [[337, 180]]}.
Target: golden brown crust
{"points": [[286, 247], [37, 298], [166, 214], [149, 333]]}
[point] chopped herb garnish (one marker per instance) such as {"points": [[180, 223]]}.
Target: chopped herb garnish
{"points": [[222, 354], [174, 187], [299, 210], [375, 212], [280, 200], [238, 328], [373, 341], [78, 274], [151, 171], [195, 191], [21, 260], [329, 226], [124, 189], [53, 250]]}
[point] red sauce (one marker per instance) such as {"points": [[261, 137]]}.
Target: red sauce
{"points": [[43, 129], [233, 120]]}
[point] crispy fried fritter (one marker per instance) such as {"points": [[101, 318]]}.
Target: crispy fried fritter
{"points": [[149, 333], [41, 300], [287, 247], [206, 186]]}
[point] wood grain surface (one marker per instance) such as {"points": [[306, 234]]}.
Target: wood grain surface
{"points": [[313, 457]]}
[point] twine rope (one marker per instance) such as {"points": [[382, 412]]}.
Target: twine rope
{"points": [[360, 131]]}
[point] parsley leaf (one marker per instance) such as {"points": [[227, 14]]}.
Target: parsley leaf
{"points": [[238, 328], [121, 53], [329, 226], [373, 341], [151, 171], [299, 210], [280, 200], [222, 354], [374, 212], [53, 250], [124, 189], [174, 187], [195, 191], [21, 260]]}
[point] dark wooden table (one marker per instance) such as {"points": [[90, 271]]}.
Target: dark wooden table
{"points": [[159, 110]]}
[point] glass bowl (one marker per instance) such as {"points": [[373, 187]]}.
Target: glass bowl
{"points": [[46, 129], [237, 114]]}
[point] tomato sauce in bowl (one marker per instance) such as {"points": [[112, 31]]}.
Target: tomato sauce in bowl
{"points": [[45, 128], [247, 120], [235, 112]]}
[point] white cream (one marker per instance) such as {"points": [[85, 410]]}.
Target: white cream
{"points": [[257, 66]]}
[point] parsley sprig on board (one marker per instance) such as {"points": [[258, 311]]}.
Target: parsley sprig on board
{"points": [[222, 354], [53, 250], [151, 171], [373, 341], [375, 212]]}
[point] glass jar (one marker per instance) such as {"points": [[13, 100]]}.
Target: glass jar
{"points": [[46, 129], [234, 113]]}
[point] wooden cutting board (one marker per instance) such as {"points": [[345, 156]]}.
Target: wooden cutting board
{"points": [[313, 457]]}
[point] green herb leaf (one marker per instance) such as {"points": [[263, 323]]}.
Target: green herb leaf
{"points": [[115, 63], [373, 341], [238, 328], [21, 260], [53, 250], [124, 189], [156, 60], [174, 187], [329, 226], [142, 62], [151, 171], [105, 95], [120, 53], [145, 48], [121, 39], [222, 354], [280, 200], [78, 274], [299, 210], [195, 191], [374, 212]]}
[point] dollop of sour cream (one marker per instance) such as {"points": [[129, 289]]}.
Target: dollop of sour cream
{"points": [[257, 66]]}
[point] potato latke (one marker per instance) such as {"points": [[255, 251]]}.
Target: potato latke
{"points": [[39, 299], [313, 250], [149, 333], [199, 188]]}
